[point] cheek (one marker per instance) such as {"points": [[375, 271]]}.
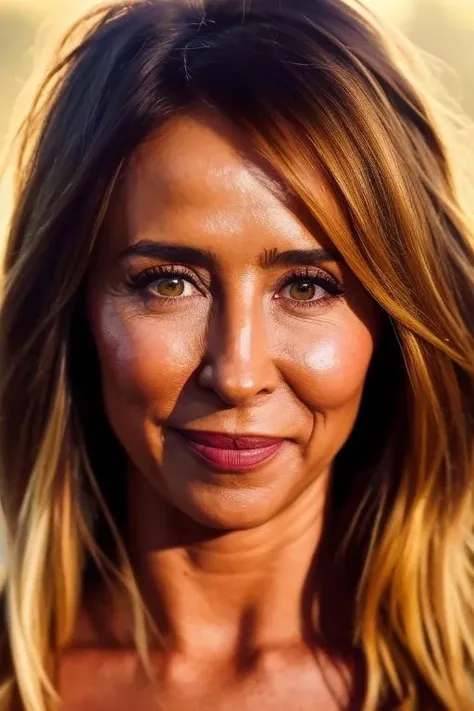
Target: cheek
{"points": [[145, 360], [327, 364]]}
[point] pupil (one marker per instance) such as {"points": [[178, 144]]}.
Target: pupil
{"points": [[303, 291], [171, 287]]}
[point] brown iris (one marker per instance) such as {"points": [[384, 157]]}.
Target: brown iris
{"points": [[302, 291], [173, 286]]}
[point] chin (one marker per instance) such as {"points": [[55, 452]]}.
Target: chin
{"points": [[227, 509]]}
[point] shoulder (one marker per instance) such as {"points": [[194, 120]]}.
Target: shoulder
{"points": [[91, 679]]}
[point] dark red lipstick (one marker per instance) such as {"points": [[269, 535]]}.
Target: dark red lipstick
{"points": [[232, 453]]}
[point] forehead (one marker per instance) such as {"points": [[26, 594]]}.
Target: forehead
{"points": [[196, 159], [198, 168]]}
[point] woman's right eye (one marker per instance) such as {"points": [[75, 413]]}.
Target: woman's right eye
{"points": [[172, 287], [165, 284]]}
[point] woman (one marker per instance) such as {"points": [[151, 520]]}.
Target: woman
{"points": [[237, 394]]}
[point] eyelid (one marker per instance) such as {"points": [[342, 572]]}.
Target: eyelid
{"points": [[320, 277], [178, 269], [162, 271], [310, 273]]}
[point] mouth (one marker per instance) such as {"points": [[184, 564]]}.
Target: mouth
{"points": [[231, 453]]}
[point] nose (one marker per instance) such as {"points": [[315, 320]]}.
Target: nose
{"points": [[238, 365]]}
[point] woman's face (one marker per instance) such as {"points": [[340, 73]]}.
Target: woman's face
{"points": [[219, 317]]}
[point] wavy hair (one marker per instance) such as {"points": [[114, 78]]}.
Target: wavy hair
{"points": [[309, 82]]}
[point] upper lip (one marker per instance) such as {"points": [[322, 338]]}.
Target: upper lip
{"points": [[221, 440]]}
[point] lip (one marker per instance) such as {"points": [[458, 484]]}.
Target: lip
{"points": [[232, 453]]}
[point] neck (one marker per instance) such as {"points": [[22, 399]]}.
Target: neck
{"points": [[216, 590]]}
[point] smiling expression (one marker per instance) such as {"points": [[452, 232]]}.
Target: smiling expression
{"points": [[216, 309]]}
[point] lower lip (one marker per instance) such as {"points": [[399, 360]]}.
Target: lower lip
{"points": [[234, 460]]}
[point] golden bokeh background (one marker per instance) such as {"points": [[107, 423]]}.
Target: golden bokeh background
{"points": [[30, 28]]}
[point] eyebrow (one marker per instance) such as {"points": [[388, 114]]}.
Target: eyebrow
{"points": [[206, 258], [170, 252], [293, 257]]}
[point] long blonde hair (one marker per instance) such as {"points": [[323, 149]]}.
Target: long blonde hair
{"points": [[311, 82]]}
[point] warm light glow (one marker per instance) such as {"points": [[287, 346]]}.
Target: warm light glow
{"points": [[396, 9], [399, 11], [462, 10]]}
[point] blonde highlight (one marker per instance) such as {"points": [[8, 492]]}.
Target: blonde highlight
{"points": [[389, 151]]}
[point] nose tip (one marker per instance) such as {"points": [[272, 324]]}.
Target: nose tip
{"points": [[235, 386]]}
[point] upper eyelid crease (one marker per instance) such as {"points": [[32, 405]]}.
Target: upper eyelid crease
{"points": [[161, 272]]}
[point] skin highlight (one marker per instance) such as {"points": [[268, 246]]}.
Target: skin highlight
{"points": [[236, 382]]}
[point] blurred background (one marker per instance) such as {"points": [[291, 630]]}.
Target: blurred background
{"points": [[30, 28]]}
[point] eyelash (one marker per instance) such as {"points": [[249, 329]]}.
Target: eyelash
{"points": [[141, 282], [318, 278]]}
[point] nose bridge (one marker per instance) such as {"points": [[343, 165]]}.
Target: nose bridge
{"points": [[239, 350], [243, 335]]}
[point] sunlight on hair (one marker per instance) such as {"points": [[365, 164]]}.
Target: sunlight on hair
{"points": [[356, 99]]}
